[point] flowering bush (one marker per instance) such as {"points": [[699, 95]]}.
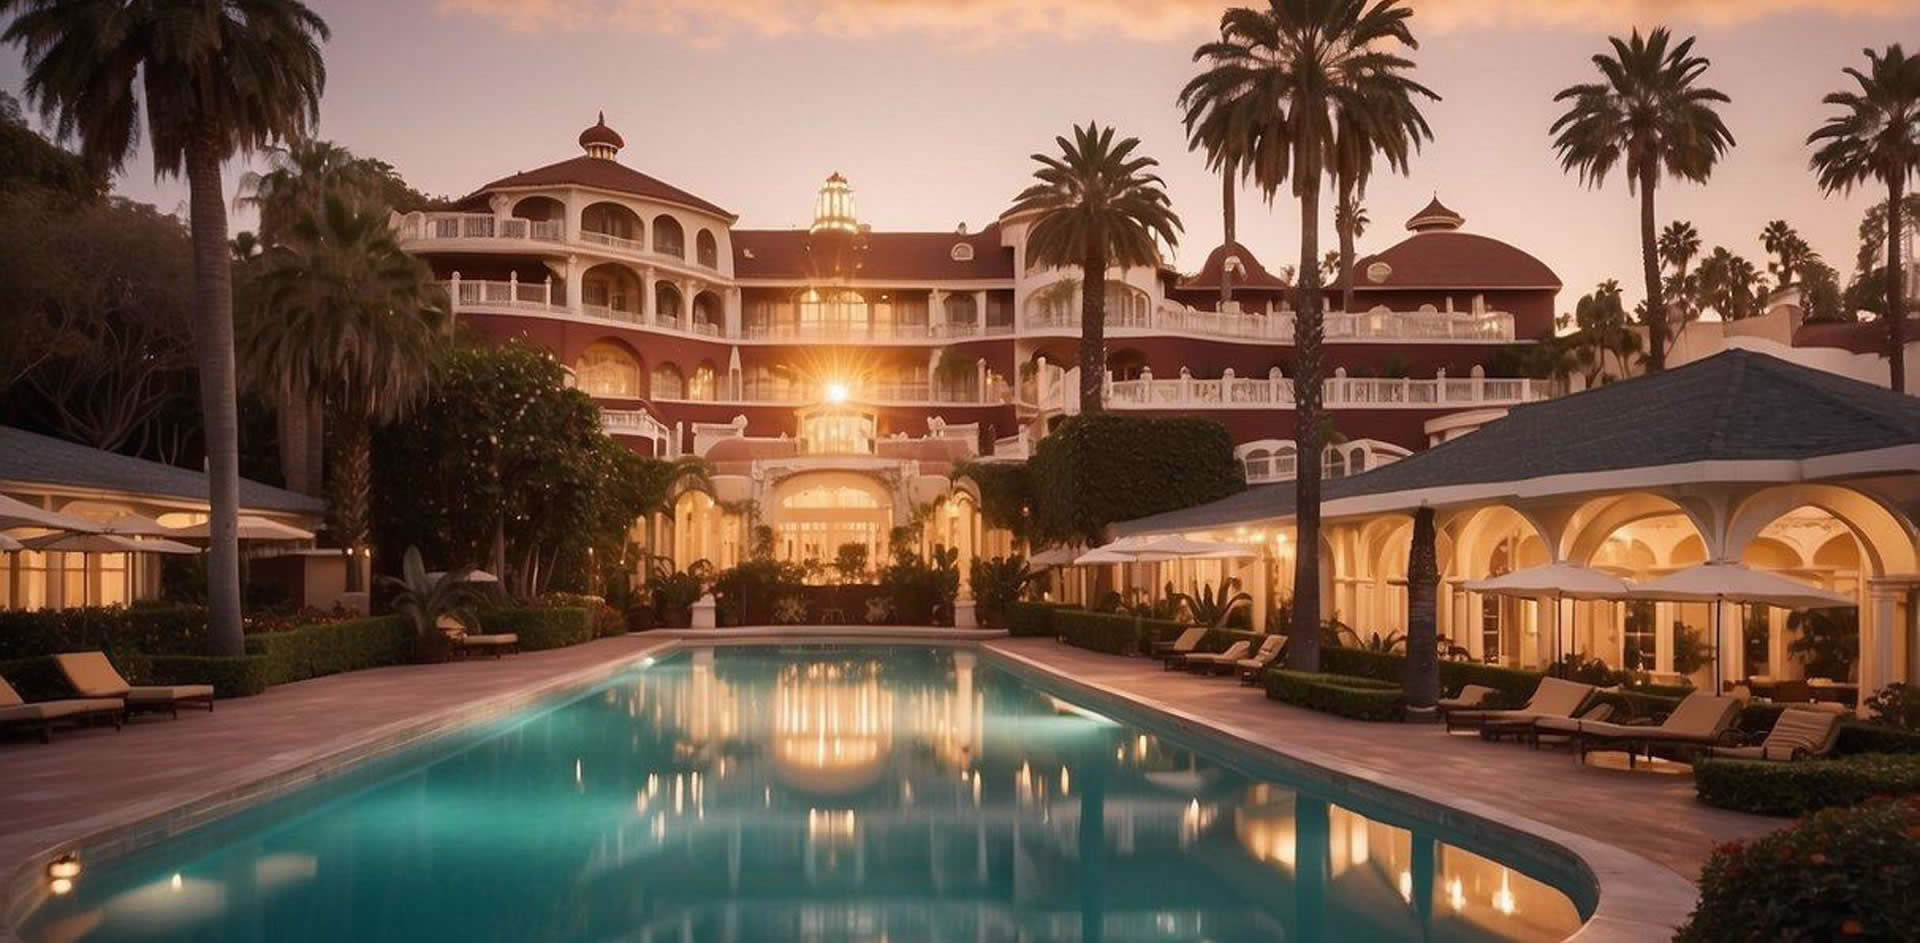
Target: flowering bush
{"points": [[1841, 874], [790, 610]]}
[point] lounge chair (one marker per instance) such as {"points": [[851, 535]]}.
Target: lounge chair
{"points": [[1700, 721], [1171, 653], [17, 712], [93, 675], [1472, 697], [1800, 733], [1216, 661], [1534, 734], [1554, 697], [1271, 650], [463, 643]]}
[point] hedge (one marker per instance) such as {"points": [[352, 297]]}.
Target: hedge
{"points": [[539, 627], [154, 629], [331, 648], [1768, 787], [1841, 874], [1093, 470], [231, 676], [1033, 618], [1514, 685], [1108, 632], [1341, 695]]}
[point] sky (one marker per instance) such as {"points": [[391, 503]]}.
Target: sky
{"points": [[932, 107]]}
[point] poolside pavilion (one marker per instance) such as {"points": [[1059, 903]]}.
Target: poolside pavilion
{"points": [[1740, 457]]}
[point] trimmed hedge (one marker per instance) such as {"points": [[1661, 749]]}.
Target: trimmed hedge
{"points": [[1795, 788], [231, 676], [539, 627], [1034, 618], [1109, 632], [331, 648], [1514, 685], [1093, 470], [1341, 695], [154, 629], [1841, 874]]}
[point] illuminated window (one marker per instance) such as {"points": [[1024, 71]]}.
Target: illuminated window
{"points": [[831, 498], [667, 382], [702, 386], [668, 237], [837, 432], [842, 310], [606, 369]]}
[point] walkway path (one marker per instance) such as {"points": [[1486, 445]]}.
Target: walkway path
{"points": [[1650, 814]]}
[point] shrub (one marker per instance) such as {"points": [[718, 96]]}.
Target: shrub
{"points": [[1896, 705], [922, 590], [1033, 618], [1781, 788], [997, 584], [331, 648], [1838, 875], [1097, 469], [539, 627], [1341, 695], [231, 676], [1875, 738], [1514, 685], [38, 677], [745, 594], [1103, 632], [607, 620], [168, 629]]}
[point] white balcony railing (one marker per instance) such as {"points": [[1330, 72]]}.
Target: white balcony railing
{"points": [[1051, 387], [1279, 328], [425, 226], [638, 422], [849, 332], [511, 294]]}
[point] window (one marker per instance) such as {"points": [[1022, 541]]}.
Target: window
{"points": [[836, 310], [831, 498], [1335, 465], [702, 386], [667, 382], [1358, 463], [835, 432], [706, 250], [1284, 465], [962, 252], [607, 369], [962, 310], [1259, 465], [1638, 642], [668, 237]]}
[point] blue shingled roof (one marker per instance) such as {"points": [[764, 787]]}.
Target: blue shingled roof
{"points": [[28, 457]]}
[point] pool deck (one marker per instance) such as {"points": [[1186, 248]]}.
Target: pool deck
{"points": [[110, 792]]}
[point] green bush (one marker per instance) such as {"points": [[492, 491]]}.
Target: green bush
{"points": [[153, 629], [313, 651], [607, 620], [1875, 738], [231, 676], [539, 627], [1515, 686], [1107, 632], [1841, 874], [1341, 695], [1033, 618], [1768, 787], [1094, 470]]}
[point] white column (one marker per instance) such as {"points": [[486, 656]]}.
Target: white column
{"points": [[936, 311], [733, 314], [980, 310], [646, 294], [1733, 645], [576, 292], [1663, 636], [1879, 627]]}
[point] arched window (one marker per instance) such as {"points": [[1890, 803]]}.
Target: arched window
{"points": [[539, 208], [703, 385], [1259, 465], [668, 237], [825, 497], [1285, 462], [607, 369], [1335, 465], [1358, 462], [612, 224], [611, 290], [1126, 305], [833, 310], [666, 300], [961, 310], [705, 250], [768, 384], [667, 382], [706, 313]]}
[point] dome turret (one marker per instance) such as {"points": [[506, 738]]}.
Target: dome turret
{"points": [[1436, 218], [833, 209], [600, 140]]}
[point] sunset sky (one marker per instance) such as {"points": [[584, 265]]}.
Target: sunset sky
{"points": [[931, 107]]}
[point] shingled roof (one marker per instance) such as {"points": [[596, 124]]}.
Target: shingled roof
{"points": [[783, 254], [1735, 406], [29, 458], [1251, 275], [601, 174], [1454, 260]]}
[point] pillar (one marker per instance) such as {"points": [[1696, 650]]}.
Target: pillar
{"points": [[936, 312], [647, 302], [980, 310], [1663, 636], [1880, 626], [1733, 645], [576, 292], [731, 316]]}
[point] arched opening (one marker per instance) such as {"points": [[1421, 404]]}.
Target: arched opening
{"points": [[540, 209], [666, 302], [704, 384], [837, 430], [1334, 464], [707, 313], [668, 237], [706, 250], [772, 384], [833, 311], [611, 224], [609, 369], [668, 383], [1127, 363], [1126, 305], [816, 513], [961, 310], [611, 290]]}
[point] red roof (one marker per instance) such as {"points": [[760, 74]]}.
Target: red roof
{"points": [[1859, 337], [784, 253], [1452, 260], [1436, 217], [602, 174], [1251, 275], [601, 134]]}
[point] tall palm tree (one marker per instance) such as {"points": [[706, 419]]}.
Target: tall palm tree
{"points": [[349, 316], [302, 174], [1792, 253], [1677, 247], [1876, 136], [1275, 87], [1350, 223], [1729, 284], [1422, 682], [1650, 113], [215, 77], [1098, 206], [1392, 128]]}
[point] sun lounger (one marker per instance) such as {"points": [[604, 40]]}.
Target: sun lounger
{"points": [[497, 644], [1472, 697], [1554, 697], [1533, 734], [15, 711], [1171, 653], [1800, 733], [1701, 721], [1271, 650], [93, 675], [1216, 661]]}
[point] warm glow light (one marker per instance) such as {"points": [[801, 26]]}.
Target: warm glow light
{"points": [[176, 883], [60, 886], [837, 392], [1456, 894], [65, 866], [1406, 885]]}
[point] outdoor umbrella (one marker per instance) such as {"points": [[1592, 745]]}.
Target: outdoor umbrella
{"points": [[250, 528], [473, 576], [1062, 555], [107, 543], [1161, 547], [1715, 583], [21, 514], [1556, 580], [139, 526], [8, 544]]}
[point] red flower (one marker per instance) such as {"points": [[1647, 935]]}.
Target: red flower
{"points": [[1851, 927]]}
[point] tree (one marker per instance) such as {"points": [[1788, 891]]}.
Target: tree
{"points": [[1730, 285], [1677, 247], [1791, 253], [217, 76], [1820, 293], [1097, 206], [1876, 136], [1391, 127], [30, 161], [1601, 331], [1423, 584], [1648, 113], [1350, 221], [353, 321], [1275, 87]]}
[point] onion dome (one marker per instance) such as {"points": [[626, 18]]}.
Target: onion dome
{"points": [[833, 209], [600, 140], [1436, 218]]}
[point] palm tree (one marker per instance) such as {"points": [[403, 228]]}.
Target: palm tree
{"points": [[1392, 128], [1350, 222], [1422, 683], [1650, 114], [1678, 246], [1276, 87], [1098, 206], [304, 172], [1792, 252], [359, 324], [1877, 137], [215, 77], [1729, 284]]}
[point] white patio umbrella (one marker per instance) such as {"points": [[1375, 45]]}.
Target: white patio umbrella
{"points": [[14, 513], [473, 576], [1055, 556], [138, 525], [1715, 583], [1556, 581], [8, 544], [250, 528], [106, 543], [1162, 547]]}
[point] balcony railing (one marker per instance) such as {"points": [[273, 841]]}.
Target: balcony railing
{"points": [[1279, 328], [417, 226], [1338, 392], [854, 332], [517, 295]]}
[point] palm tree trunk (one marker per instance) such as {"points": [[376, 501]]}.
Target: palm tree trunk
{"points": [[1896, 291], [352, 480], [1093, 330], [1309, 326], [1423, 576], [220, 416], [293, 431], [1344, 217], [316, 444], [1650, 267], [1229, 226]]}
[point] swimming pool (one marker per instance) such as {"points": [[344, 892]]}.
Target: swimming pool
{"points": [[821, 793]]}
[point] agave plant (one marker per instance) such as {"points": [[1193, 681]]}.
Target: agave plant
{"points": [[1371, 642], [1210, 608], [425, 599]]}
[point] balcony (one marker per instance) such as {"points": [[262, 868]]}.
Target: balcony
{"points": [[1055, 388], [430, 227], [1488, 326], [853, 332], [514, 295]]}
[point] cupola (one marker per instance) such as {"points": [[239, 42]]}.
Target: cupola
{"points": [[601, 141], [1436, 218], [833, 209]]}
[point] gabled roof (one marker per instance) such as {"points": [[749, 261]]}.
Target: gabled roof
{"points": [[32, 458], [1452, 260], [1735, 406], [1251, 275], [601, 174], [783, 253]]}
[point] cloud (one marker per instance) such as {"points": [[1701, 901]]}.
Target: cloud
{"points": [[713, 21]]}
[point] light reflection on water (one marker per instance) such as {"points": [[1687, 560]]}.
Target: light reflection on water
{"points": [[847, 794]]}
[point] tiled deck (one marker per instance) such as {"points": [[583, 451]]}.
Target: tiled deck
{"points": [[1650, 814]]}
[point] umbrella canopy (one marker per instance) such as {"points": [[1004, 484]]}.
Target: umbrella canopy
{"points": [[1055, 556], [1563, 580], [1734, 582], [21, 514], [8, 544], [251, 528], [1161, 547], [137, 525], [473, 576], [106, 543]]}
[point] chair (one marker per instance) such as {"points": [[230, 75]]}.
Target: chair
{"points": [[1171, 653], [1554, 697], [1271, 651], [93, 676], [1800, 733], [1471, 697], [1533, 733], [464, 643], [1209, 662], [1701, 721], [17, 712]]}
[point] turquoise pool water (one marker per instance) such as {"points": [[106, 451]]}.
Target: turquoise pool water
{"points": [[775, 794]]}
